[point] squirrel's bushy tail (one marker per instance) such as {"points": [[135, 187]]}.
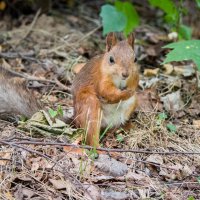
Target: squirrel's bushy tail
{"points": [[15, 98]]}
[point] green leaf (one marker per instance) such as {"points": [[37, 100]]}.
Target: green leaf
{"points": [[184, 50], [198, 3], [169, 8], [162, 116], [60, 110], [131, 14], [120, 138], [198, 179], [113, 20], [184, 32], [52, 113], [171, 128], [190, 198]]}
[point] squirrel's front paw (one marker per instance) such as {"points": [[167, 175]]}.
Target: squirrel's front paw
{"points": [[128, 93], [103, 100]]}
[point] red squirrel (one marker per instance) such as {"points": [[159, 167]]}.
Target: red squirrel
{"points": [[104, 91]]}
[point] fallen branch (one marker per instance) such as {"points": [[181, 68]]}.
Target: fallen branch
{"points": [[33, 78], [100, 149], [25, 56], [32, 24]]}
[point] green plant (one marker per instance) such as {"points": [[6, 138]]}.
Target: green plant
{"points": [[55, 113], [198, 179], [161, 119], [120, 138], [173, 16], [113, 20], [190, 198], [171, 127], [198, 3], [184, 50], [92, 153], [169, 8], [120, 17], [132, 18]]}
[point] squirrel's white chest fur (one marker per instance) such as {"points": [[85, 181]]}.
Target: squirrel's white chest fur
{"points": [[116, 114]]}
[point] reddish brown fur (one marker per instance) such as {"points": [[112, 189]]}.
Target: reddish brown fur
{"points": [[95, 84]]}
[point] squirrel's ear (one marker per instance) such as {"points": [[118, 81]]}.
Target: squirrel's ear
{"points": [[111, 40], [131, 39]]}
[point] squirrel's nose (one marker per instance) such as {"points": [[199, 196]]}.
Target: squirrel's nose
{"points": [[125, 75]]}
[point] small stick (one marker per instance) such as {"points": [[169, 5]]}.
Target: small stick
{"points": [[103, 149], [32, 24], [33, 78]]}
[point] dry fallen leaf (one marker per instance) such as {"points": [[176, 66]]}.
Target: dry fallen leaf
{"points": [[35, 166], [5, 155], [27, 193], [187, 171], [143, 193], [151, 72], [157, 159], [60, 184], [110, 166], [166, 174], [114, 195], [102, 178], [186, 70], [92, 192], [168, 69], [196, 123], [132, 176], [173, 36], [173, 101], [194, 108], [147, 83], [148, 101]]}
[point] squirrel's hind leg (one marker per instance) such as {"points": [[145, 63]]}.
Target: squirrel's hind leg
{"points": [[88, 116]]}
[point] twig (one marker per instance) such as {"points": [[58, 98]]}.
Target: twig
{"points": [[181, 183], [13, 55], [102, 149], [32, 25], [88, 34], [5, 159], [33, 78], [77, 43], [64, 87], [147, 162]]}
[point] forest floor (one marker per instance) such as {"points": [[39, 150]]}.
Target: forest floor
{"points": [[159, 158]]}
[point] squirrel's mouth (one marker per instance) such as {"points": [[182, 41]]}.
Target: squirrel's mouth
{"points": [[123, 88], [122, 85]]}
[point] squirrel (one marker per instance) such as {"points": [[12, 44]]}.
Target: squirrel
{"points": [[104, 91], [15, 98]]}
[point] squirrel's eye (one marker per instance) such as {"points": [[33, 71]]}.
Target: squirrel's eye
{"points": [[135, 59], [112, 61]]}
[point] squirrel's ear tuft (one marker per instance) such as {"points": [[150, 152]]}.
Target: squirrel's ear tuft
{"points": [[131, 39], [111, 40]]}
